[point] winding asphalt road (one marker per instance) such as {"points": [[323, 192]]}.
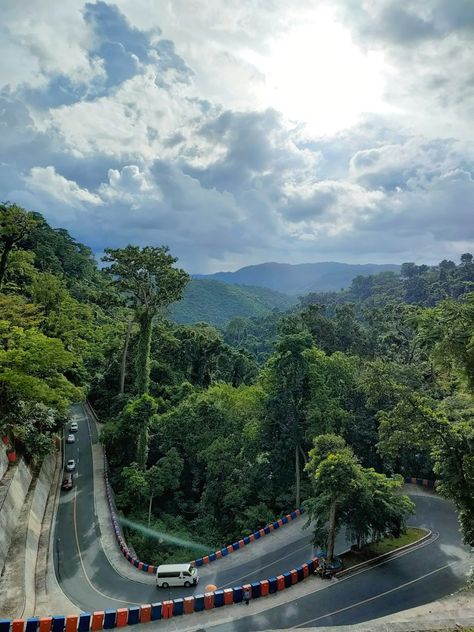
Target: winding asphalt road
{"points": [[417, 577]]}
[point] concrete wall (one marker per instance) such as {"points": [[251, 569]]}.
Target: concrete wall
{"points": [[3, 460], [38, 507], [18, 579], [10, 509]]}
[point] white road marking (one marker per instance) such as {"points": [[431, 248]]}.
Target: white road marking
{"points": [[122, 601], [383, 594]]}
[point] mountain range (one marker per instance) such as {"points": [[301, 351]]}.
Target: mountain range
{"points": [[302, 278], [257, 290]]}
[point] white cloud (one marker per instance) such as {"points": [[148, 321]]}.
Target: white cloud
{"points": [[45, 181], [44, 41], [153, 127]]}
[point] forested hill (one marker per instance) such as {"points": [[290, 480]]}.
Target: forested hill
{"points": [[416, 284], [300, 278], [218, 303]]}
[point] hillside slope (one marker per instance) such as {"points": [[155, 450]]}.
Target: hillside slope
{"points": [[216, 302], [301, 278]]}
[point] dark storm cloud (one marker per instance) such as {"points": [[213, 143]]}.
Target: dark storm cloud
{"points": [[110, 25], [168, 59], [315, 206], [249, 151], [404, 165], [60, 90]]}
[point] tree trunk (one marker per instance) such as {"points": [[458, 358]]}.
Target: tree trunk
{"points": [[149, 509], [332, 530], [3, 261], [297, 473], [145, 320], [124, 356], [142, 447]]}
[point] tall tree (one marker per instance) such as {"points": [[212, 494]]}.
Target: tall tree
{"points": [[150, 283], [15, 225], [334, 471], [286, 381], [367, 503]]}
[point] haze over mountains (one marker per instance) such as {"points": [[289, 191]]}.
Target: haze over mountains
{"points": [[298, 279], [258, 289]]}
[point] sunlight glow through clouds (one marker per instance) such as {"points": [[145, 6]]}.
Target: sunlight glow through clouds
{"points": [[316, 74]]}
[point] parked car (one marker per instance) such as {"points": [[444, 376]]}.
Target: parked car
{"points": [[70, 438], [67, 481], [70, 465], [74, 427]]}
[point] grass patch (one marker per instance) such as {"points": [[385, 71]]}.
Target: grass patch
{"points": [[390, 544], [387, 545]]}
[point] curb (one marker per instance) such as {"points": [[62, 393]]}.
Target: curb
{"points": [[384, 556], [207, 559], [422, 482], [213, 556], [106, 619]]}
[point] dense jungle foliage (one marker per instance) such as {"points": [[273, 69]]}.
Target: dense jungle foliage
{"points": [[217, 303], [210, 433]]}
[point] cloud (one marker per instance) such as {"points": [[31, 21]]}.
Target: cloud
{"points": [[147, 127], [428, 48], [410, 164], [46, 181]]}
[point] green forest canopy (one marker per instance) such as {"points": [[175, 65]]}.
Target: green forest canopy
{"points": [[219, 442]]}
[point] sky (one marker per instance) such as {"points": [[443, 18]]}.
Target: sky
{"points": [[243, 131]]}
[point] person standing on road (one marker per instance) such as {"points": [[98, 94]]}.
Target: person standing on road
{"points": [[246, 596]]}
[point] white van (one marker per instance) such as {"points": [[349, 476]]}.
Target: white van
{"points": [[176, 575]]}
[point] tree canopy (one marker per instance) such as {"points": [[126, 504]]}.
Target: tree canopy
{"points": [[218, 431]]}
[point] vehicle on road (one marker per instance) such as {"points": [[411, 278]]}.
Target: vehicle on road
{"points": [[176, 575], [70, 465], [70, 438], [74, 426], [67, 481]]}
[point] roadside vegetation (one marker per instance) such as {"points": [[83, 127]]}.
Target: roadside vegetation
{"points": [[373, 550], [212, 433]]}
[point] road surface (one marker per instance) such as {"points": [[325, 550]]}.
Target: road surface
{"points": [[417, 577]]}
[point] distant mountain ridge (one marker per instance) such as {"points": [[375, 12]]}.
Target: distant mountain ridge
{"points": [[299, 279], [217, 303]]}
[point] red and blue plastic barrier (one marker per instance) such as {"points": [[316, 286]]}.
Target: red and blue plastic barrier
{"points": [[201, 561], [108, 619]]}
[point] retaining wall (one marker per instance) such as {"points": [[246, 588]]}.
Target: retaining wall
{"points": [[10, 508], [17, 584], [38, 507], [3, 460]]}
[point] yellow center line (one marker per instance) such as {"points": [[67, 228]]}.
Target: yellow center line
{"points": [[122, 601]]}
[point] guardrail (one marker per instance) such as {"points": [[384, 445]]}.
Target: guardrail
{"points": [[424, 482], [207, 559], [108, 619]]}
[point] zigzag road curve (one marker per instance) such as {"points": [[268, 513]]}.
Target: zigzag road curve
{"points": [[415, 578]]}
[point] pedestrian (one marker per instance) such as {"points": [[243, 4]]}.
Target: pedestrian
{"points": [[246, 596]]}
